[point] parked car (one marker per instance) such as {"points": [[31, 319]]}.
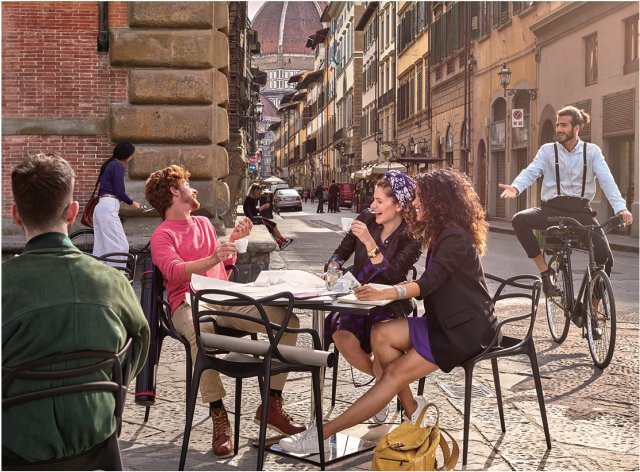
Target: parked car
{"points": [[346, 193], [286, 198], [275, 187]]}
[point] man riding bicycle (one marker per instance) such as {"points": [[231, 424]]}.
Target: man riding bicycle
{"points": [[569, 168]]}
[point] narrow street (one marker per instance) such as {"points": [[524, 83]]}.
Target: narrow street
{"points": [[582, 402]]}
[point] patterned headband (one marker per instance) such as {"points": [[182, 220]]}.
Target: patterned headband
{"points": [[403, 187]]}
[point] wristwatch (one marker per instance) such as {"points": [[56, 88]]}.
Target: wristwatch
{"points": [[374, 252]]}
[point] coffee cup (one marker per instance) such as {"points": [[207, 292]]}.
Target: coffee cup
{"points": [[241, 245], [346, 223]]}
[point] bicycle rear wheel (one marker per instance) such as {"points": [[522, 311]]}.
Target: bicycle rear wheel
{"points": [[601, 322], [558, 306], [83, 239]]}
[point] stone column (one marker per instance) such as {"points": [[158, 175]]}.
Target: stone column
{"points": [[177, 55]]}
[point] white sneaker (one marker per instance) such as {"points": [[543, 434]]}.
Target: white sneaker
{"points": [[414, 417], [305, 442], [379, 417]]}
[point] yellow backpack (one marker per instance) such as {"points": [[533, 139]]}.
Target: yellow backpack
{"points": [[411, 447]]}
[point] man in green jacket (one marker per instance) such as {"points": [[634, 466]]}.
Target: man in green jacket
{"points": [[56, 300]]}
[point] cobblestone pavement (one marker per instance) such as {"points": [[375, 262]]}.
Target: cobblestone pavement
{"points": [[593, 415]]}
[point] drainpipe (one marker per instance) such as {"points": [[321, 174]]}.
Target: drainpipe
{"points": [[103, 26]]}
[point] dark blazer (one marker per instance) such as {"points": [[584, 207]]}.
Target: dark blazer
{"points": [[400, 254], [457, 304]]}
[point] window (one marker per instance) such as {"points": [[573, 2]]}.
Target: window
{"points": [[444, 36], [591, 59], [419, 88], [631, 44], [501, 15]]}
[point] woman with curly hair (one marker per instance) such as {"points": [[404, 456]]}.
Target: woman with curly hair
{"points": [[448, 220]]}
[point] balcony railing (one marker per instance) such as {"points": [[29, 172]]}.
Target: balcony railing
{"points": [[338, 135], [385, 99]]}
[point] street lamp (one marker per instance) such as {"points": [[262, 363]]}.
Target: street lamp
{"points": [[505, 77], [422, 145], [412, 145], [393, 144], [402, 149], [342, 149], [259, 108]]}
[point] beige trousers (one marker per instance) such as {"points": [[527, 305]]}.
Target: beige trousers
{"points": [[211, 388]]}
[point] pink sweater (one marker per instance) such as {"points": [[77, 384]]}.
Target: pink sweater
{"points": [[176, 242]]}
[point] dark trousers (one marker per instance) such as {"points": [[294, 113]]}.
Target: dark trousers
{"points": [[333, 203], [526, 221], [320, 208]]}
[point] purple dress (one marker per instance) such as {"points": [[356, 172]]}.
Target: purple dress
{"points": [[419, 331]]}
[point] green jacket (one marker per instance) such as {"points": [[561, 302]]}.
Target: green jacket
{"points": [[55, 300]]}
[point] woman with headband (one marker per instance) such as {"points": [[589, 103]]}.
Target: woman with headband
{"points": [[383, 253]]}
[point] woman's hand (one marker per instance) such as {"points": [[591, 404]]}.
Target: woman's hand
{"points": [[368, 293], [265, 206], [242, 229], [224, 252], [360, 231], [136, 206]]}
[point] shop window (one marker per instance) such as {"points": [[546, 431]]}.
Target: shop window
{"points": [[631, 44]]}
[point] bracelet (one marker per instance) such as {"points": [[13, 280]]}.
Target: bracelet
{"points": [[401, 291]]}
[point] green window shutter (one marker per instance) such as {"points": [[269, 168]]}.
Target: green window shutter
{"points": [[442, 26], [455, 34], [495, 7], [432, 42], [474, 19]]}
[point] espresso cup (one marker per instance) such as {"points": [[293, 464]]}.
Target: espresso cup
{"points": [[346, 223], [241, 245]]}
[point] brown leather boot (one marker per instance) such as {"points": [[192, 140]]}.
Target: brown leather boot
{"points": [[222, 441], [277, 419]]}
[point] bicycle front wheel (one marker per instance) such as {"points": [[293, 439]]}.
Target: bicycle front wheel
{"points": [[601, 319], [83, 239], [558, 306]]}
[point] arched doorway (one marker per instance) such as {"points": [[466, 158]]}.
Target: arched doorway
{"points": [[482, 173], [547, 132]]}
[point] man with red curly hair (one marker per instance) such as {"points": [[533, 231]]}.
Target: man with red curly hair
{"points": [[184, 245]]}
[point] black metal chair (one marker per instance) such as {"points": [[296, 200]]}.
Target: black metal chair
{"points": [[158, 314], [329, 341], [524, 287], [243, 358], [123, 261], [91, 365]]}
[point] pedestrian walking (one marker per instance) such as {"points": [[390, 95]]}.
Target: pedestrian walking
{"points": [[256, 214], [334, 190], [320, 196], [108, 231], [305, 195]]}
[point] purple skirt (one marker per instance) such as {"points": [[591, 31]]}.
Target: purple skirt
{"points": [[359, 325], [419, 333]]}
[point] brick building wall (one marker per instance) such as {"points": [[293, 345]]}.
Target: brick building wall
{"points": [[52, 70]]}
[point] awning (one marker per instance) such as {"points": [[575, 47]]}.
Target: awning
{"points": [[287, 98], [317, 38], [309, 78], [385, 166]]}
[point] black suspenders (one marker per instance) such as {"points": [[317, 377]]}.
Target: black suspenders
{"points": [[584, 168]]}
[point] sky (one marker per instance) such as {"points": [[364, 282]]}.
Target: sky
{"points": [[253, 8]]}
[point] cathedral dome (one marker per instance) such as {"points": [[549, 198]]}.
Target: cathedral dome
{"points": [[285, 26]]}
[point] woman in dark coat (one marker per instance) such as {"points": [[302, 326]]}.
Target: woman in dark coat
{"points": [[459, 320], [383, 253]]}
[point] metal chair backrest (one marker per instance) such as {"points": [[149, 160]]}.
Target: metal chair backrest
{"points": [[520, 287], [50, 371], [123, 261]]}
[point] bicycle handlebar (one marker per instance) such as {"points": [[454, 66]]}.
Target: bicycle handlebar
{"points": [[567, 221]]}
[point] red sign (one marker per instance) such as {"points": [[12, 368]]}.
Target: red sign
{"points": [[253, 159]]}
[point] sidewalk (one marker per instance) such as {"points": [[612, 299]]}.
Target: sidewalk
{"points": [[593, 415]]}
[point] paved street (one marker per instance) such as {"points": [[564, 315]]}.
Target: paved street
{"points": [[593, 415]]}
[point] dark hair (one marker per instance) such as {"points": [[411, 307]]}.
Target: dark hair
{"points": [[578, 117], [386, 185], [42, 187], [121, 151], [448, 198], [157, 189]]}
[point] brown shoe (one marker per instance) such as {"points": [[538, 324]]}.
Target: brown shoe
{"points": [[277, 419], [222, 442]]}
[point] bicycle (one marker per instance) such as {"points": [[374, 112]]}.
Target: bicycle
{"points": [[593, 309]]}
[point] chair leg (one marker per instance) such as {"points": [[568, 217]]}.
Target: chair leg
{"points": [[262, 436], [496, 381], [536, 378], [236, 432], [468, 380], [191, 406], [254, 337], [188, 368], [146, 413], [317, 401], [421, 386], [334, 383]]}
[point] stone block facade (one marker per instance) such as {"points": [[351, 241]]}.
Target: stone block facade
{"points": [[163, 85]]}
